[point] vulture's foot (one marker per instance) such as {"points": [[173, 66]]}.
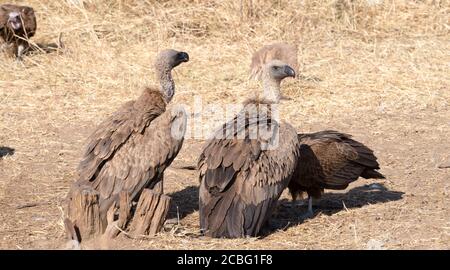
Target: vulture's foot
{"points": [[309, 214], [295, 204]]}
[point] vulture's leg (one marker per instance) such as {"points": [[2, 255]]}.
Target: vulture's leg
{"points": [[310, 199], [310, 212], [20, 50]]}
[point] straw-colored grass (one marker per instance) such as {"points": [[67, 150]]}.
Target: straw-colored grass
{"points": [[378, 71]]}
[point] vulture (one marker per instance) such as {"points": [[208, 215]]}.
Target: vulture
{"points": [[278, 51], [17, 25], [131, 149], [330, 160], [248, 162]]}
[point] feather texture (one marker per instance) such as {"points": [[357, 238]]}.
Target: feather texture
{"points": [[240, 179], [332, 160], [131, 149]]}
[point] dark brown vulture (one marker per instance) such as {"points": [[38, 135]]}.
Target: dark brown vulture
{"points": [[330, 160], [17, 25], [244, 168], [131, 149], [277, 51]]}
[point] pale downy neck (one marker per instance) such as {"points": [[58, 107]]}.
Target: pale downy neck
{"points": [[167, 85], [271, 88]]}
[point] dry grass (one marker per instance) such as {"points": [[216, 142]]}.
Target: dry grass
{"points": [[384, 77]]}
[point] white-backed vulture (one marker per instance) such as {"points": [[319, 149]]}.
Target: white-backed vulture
{"points": [[330, 160], [278, 51], [131, 149], [17, 25], [244, 168]]}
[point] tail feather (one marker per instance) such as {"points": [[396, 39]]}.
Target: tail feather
{"points": [[230, 217], [186, 167], [372, 174]]}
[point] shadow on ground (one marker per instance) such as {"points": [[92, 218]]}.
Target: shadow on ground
{"points": [[184, 202], [289, 215], [6, 151]]}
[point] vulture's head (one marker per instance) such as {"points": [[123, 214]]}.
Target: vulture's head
{"points": [[168, 59], [19, 17], [14, 20], [277, 70]]}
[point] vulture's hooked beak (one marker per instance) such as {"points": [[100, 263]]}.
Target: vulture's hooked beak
{"points": [[14, 20], [290, 72], [183, 56]]}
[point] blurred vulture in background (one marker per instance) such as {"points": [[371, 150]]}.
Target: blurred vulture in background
{"points": [[17, 26], [331, 160], [131, 149], [245, 167], [277, 51]]}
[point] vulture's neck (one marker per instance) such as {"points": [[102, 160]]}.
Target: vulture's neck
{"points": [[167, 85], [271, 90]]}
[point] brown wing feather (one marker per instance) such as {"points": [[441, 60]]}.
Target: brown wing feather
{"points": [[240, 182], [141, 162], [131, 149], [112, 133], [329, 159]]}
